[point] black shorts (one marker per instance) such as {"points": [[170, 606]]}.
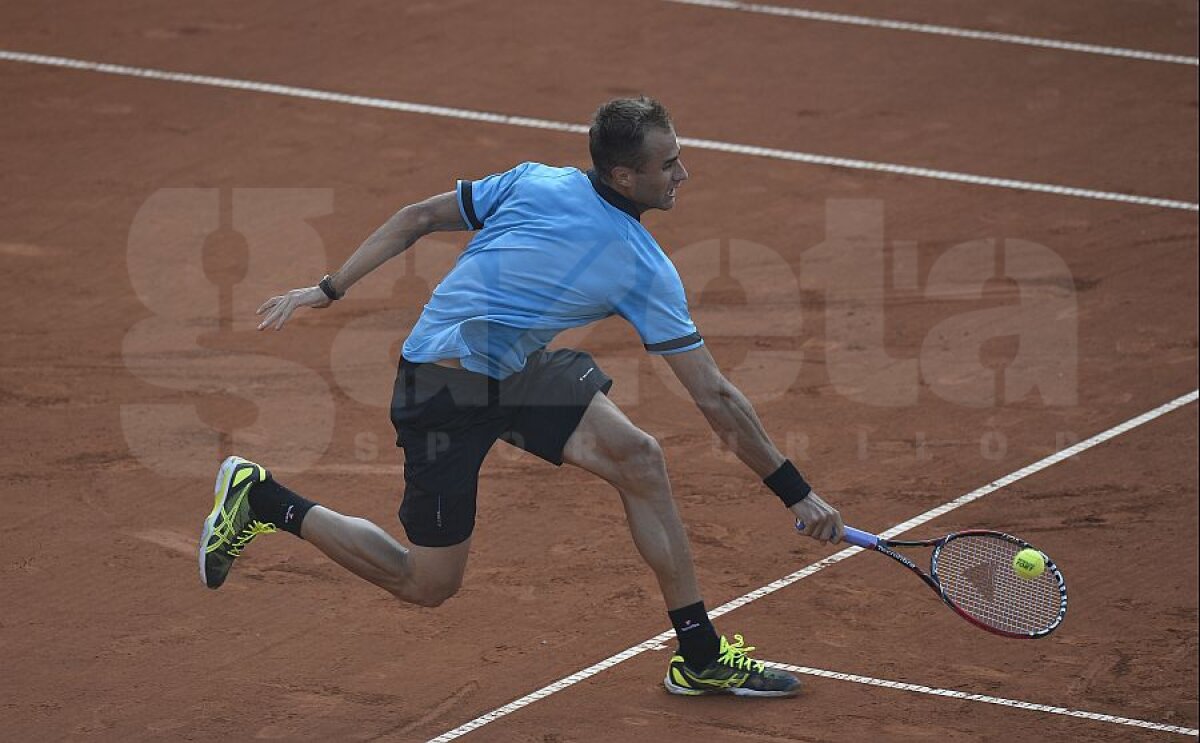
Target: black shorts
{"points": [[447, 419]]}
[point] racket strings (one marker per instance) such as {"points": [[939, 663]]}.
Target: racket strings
{"points": [[976, 572]]}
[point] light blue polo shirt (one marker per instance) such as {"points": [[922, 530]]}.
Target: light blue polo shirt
{"points": [[556, 248]]}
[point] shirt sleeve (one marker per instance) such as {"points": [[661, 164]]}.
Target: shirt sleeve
{"points": [[657, 309], [478, 200]]}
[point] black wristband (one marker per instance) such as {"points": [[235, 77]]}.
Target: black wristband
{"points": [[788, 484], [327, 287]]}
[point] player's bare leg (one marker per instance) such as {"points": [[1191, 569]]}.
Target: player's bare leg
{"points": [[607, 444], [425, 576], [249, 502]]}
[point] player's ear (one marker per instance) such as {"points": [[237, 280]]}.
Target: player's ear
{"points": [[622, 176]]}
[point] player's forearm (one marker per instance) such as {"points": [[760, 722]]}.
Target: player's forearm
{"points": [[733, 419], [393, 238]]}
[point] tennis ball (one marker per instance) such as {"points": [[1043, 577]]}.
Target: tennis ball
{"points": [[1029, 563]]}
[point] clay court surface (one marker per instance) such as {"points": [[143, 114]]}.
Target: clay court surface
{"points": [[142, 221]]}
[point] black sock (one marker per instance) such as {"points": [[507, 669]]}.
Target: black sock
{"points": [[277, 505], [698, 641]]}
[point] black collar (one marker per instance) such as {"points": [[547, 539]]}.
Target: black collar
{"points": [[609, 194]]}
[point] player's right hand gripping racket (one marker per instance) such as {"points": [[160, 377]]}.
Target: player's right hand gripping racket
{"points": [[972, 571]]}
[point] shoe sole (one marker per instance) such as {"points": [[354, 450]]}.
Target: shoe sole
{"points": [[674, 688], [224, 473]]}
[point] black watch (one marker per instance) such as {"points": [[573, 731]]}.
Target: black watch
{"points": [[327, 287]]}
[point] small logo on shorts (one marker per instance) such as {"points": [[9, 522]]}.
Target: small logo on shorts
{"points": [[288, 516], [589, 371]]}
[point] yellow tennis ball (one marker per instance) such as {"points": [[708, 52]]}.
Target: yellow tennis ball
{"points": [[1029, 563]]}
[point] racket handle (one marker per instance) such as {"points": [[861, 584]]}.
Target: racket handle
{"points": [[854, 536]]}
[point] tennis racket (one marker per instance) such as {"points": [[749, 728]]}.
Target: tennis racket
{"points": [[972, 572]]}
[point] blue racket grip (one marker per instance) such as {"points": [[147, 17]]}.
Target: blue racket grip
{"points": [[854, 536]]}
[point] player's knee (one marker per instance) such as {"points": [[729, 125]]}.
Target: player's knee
{"points": [[641, 457], [429, 600], [431, 595]]}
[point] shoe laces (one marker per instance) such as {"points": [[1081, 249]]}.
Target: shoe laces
{"points": [[735, 655], [252, 530]]}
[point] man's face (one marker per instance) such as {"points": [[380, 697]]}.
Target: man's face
{"points": [[653, 185]]}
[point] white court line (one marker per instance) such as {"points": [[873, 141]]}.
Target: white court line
{"points": [[986, 699], [925, 28], [656, 642], [534, 123]]}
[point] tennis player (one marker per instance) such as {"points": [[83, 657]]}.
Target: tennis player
{"points": [[554, 248]]}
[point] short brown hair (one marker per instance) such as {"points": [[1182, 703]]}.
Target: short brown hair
{"points": [[619, 130]]}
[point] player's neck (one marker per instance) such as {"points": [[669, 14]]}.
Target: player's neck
{"points": [[615, 195]]}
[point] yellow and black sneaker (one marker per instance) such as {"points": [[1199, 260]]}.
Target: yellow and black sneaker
{"points": [[733, 672], [232, 523]]}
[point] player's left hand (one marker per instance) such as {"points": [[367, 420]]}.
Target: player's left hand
{"points": [[279, 309]]}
